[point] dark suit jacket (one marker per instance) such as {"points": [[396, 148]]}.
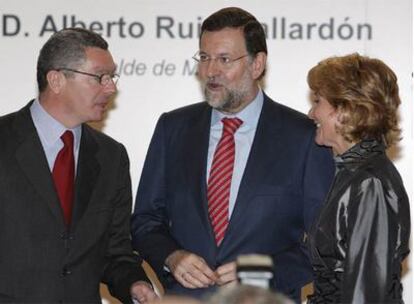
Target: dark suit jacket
{"points": [[284, 183], [40, 260]]}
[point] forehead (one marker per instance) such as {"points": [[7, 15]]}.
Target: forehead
{"points": [[225, 41], [98, 60]]}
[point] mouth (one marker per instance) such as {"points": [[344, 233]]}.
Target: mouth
{"points": [[213, 86], [102, 105]]}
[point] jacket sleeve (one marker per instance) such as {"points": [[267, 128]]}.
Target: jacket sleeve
{"points": [[123, 267], [150, 228], [370, 244]]}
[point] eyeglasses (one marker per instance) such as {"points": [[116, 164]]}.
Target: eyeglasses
{"points": [[103, 79], [222, 61]]}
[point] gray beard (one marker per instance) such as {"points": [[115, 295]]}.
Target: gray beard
{"points": [[232, 100]]}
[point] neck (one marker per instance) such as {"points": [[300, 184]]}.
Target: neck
{"points": [[54, 107]]}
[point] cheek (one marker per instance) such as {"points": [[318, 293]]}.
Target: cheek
{"points": [[202, 73]]}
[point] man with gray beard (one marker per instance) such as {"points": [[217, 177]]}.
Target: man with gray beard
{"points": [[238, 174]]}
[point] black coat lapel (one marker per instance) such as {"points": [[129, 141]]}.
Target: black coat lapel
{"points": [[87, 173], [32, 160]]}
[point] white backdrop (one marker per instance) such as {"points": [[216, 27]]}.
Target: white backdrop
{"points": [[153, 41]]}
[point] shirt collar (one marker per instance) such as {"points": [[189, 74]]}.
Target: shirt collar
{"points": [[249, 115], [49, 128]]}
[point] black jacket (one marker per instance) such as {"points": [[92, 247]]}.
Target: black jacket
{"points": [[40, 260], [362, 234]]}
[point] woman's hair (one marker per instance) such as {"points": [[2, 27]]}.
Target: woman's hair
{"points": [[364, 91]]}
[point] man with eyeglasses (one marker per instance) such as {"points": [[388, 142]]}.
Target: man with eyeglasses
{"points": [[65, 191], [237, 174]]}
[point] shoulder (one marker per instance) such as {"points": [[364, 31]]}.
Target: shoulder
{"points": [[287, 116], [196, 115], [188, 112], [106, 143], [16, 122], [379, 168], [7, 120], [378, 178]]}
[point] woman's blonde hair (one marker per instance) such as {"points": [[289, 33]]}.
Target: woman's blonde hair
{"points": [[364, 91]]}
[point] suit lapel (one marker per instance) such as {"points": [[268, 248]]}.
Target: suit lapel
{"points": [[195, 170], [262, 156], [87, 173], [32, 160]]}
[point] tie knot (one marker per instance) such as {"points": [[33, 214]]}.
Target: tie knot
{"points": [[67, 138], [230, 125]]}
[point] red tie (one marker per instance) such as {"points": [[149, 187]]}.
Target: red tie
{"points": [[219, 182], [64, 175]]}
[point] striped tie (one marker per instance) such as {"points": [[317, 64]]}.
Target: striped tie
{"points": [[218, 188]]}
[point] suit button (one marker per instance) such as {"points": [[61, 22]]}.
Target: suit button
{"points": [[66, 271]]}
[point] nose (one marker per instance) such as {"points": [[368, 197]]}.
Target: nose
{"points": [[110, 88], [212, 68]]}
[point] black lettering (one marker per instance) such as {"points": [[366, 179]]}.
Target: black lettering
{"points": [[48, 26], [189, 69], [368, 28], [296, 31], [11, 25], [345, 31], [96, 27], [309, 30], [136, 29], [75, 23], [165, 23], [326, 30], [189, 33]]}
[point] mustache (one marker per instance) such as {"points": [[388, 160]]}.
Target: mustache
{"points": [[213, 80]]}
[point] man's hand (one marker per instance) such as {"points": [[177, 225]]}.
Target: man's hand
{"points": [[190, 270], [143, 292], [226, 273]]}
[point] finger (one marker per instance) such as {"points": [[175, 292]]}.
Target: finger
{"points": [[208, 275], [226, 268], [207, 278], [186, 283], [194, 280], [198, 268], [226, 273], [226, 278]]}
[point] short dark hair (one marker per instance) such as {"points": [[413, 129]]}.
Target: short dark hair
{"points": [[235, 17], [65, 48], [365, 91]]}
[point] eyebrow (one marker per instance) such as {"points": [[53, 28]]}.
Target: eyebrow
{"points": [[220, 54], [105, 71]]}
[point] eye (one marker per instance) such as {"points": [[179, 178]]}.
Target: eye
{"points": [[224, 60], [204, 57]]}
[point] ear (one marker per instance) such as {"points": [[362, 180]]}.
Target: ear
{"points": [[56, 81], [259, 64]]}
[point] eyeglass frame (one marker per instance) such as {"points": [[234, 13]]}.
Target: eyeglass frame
{"points": [[220, 58], [96, 76]]}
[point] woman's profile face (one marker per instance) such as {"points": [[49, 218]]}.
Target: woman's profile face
{"points": [[326, 120]]}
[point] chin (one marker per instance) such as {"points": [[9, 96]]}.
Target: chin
{"points": [[215, 103]]}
